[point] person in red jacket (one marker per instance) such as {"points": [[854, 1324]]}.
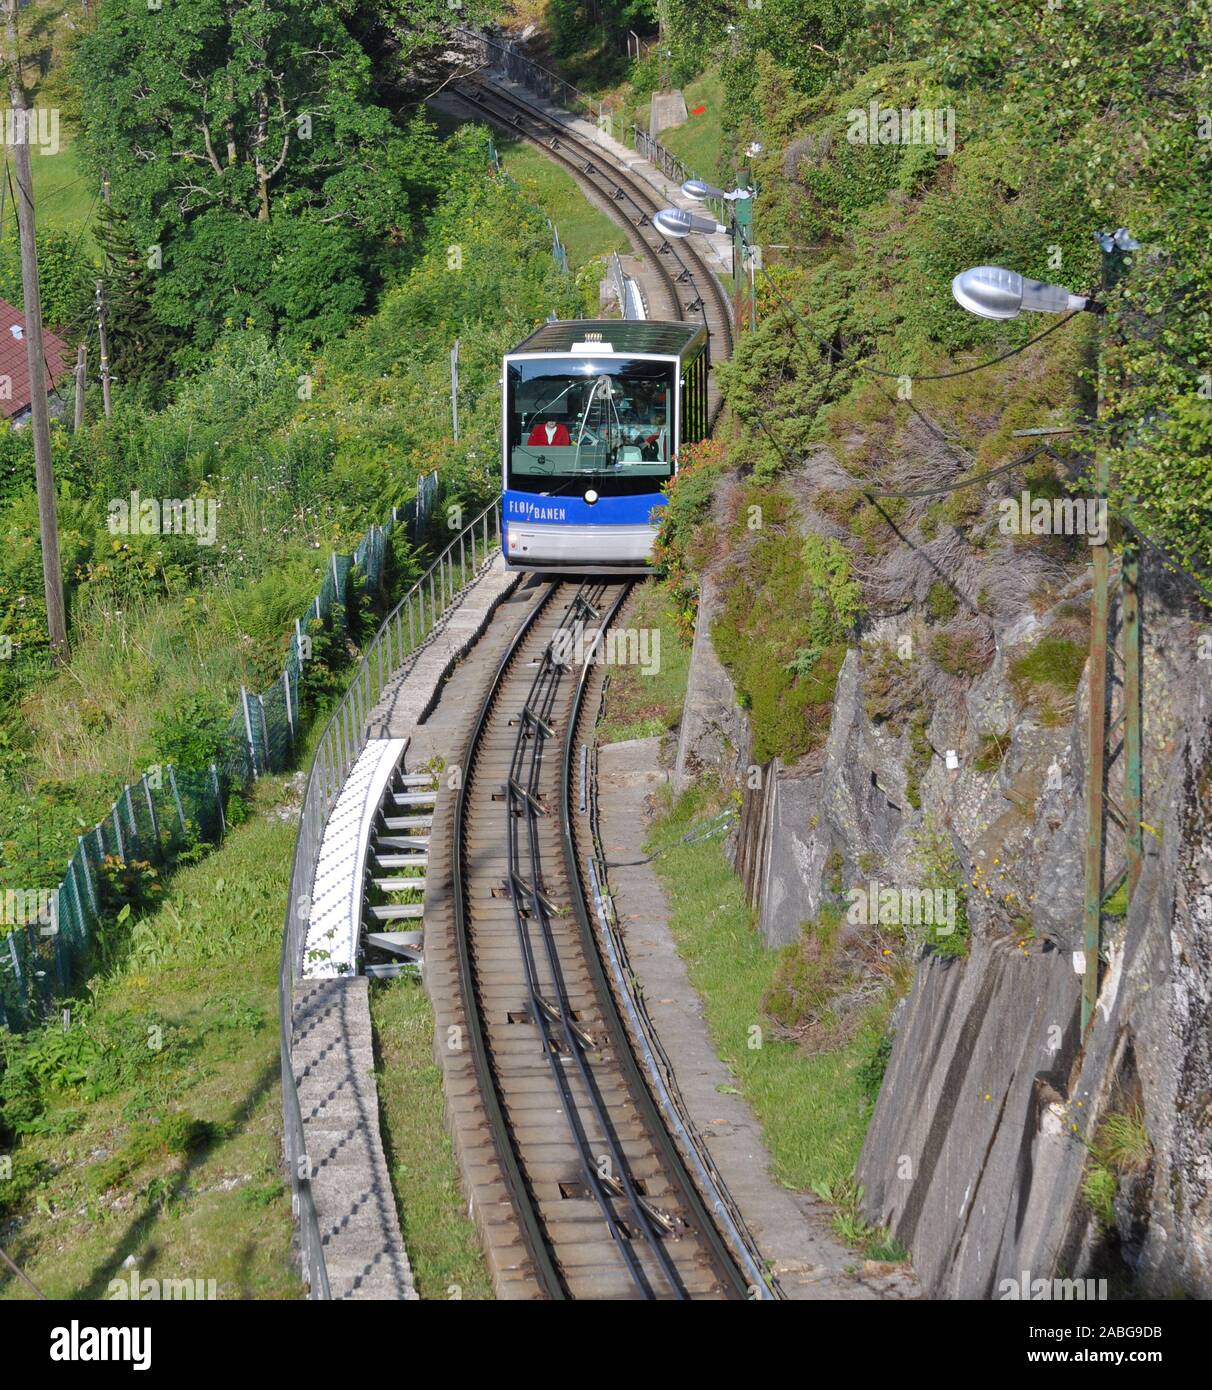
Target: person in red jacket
{"points": [[551, 433]]}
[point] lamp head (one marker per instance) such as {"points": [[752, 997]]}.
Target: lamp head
{"points": [[993, 293], [677, 222]]}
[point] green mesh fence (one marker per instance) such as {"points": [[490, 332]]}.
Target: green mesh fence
{"points": [[558, 253], [52, 937]]}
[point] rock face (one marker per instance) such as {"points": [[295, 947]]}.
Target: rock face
{"points": [[978, 1147], [714, 734]]}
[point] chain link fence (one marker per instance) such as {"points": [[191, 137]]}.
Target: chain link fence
{"points": [[558, 252], [53, 935]]}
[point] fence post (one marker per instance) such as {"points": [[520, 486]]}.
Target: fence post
{"points": [[130, 817], [264, 733], [252, 747], [88, 878], [214, 781], [151, 811], [118, 833], [290, 714], [172, 782]]}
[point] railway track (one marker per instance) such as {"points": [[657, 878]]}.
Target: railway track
{"points": [[691, 288], [578, 1189], [576, 1185]]}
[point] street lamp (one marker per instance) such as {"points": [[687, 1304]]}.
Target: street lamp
{"points": [[700, 191], [993, 293], [676, 222]]}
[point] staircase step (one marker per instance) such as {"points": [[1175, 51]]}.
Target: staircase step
{"points": [[408, 822], [415, 779], [401, 861], [415, 798], [399, 943], [400, 885], [396, 912], [401, 842], [391, 970]]}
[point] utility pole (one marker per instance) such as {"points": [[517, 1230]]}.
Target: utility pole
{"points": [[104, 342], [454, 389], [81, 371], [1115, 248], [52, 574]]}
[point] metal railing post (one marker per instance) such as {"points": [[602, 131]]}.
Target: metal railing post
{"points": [[252, 747]]}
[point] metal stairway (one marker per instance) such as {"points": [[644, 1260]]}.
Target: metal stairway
{"points": [[395, 877]]}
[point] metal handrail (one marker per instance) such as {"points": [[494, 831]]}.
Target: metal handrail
{"points": [[672, 167], [530, 74], [402, 634]]}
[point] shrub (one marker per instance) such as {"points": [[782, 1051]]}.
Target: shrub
{"points": [[803, 984], [960, 653], [941, 602], [191, 732], [991, 752], [1054, 660]]}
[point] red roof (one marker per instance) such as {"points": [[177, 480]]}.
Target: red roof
{"points": [[14, 360]]}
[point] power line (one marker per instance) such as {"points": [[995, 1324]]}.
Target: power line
{"points": [[966, 482], [905, 376]]}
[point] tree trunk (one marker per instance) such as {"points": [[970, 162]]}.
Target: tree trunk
{"points": [[262, 174]]}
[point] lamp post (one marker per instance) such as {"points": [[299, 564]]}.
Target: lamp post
{"points": [[993, 293], [679, 223]]}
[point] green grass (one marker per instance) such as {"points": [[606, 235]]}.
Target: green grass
{"points": [[700, 142], [439, 1235], [1056, 661], [1120, 1148], [587, 233], [813, 1109], [642, 705], [64, 193], [169, 1156]]}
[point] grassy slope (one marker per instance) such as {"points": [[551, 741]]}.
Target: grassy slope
{"points": [[700, 142], [204, 969], [585, 232], [642, 705], [63, 193]]}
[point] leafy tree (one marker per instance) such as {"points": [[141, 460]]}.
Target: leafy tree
{"points": [[242, 140], [140, 346]]}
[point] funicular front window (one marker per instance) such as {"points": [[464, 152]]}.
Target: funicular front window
{"points": [[570, 418]]}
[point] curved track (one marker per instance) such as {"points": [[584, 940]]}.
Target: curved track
{"points": [[691, 289], [577, 1187], [600, 1204]]}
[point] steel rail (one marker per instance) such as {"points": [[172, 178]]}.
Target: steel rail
{"points": [[650, 1111], [627, 188], [534, 731], [515, 1181]]}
